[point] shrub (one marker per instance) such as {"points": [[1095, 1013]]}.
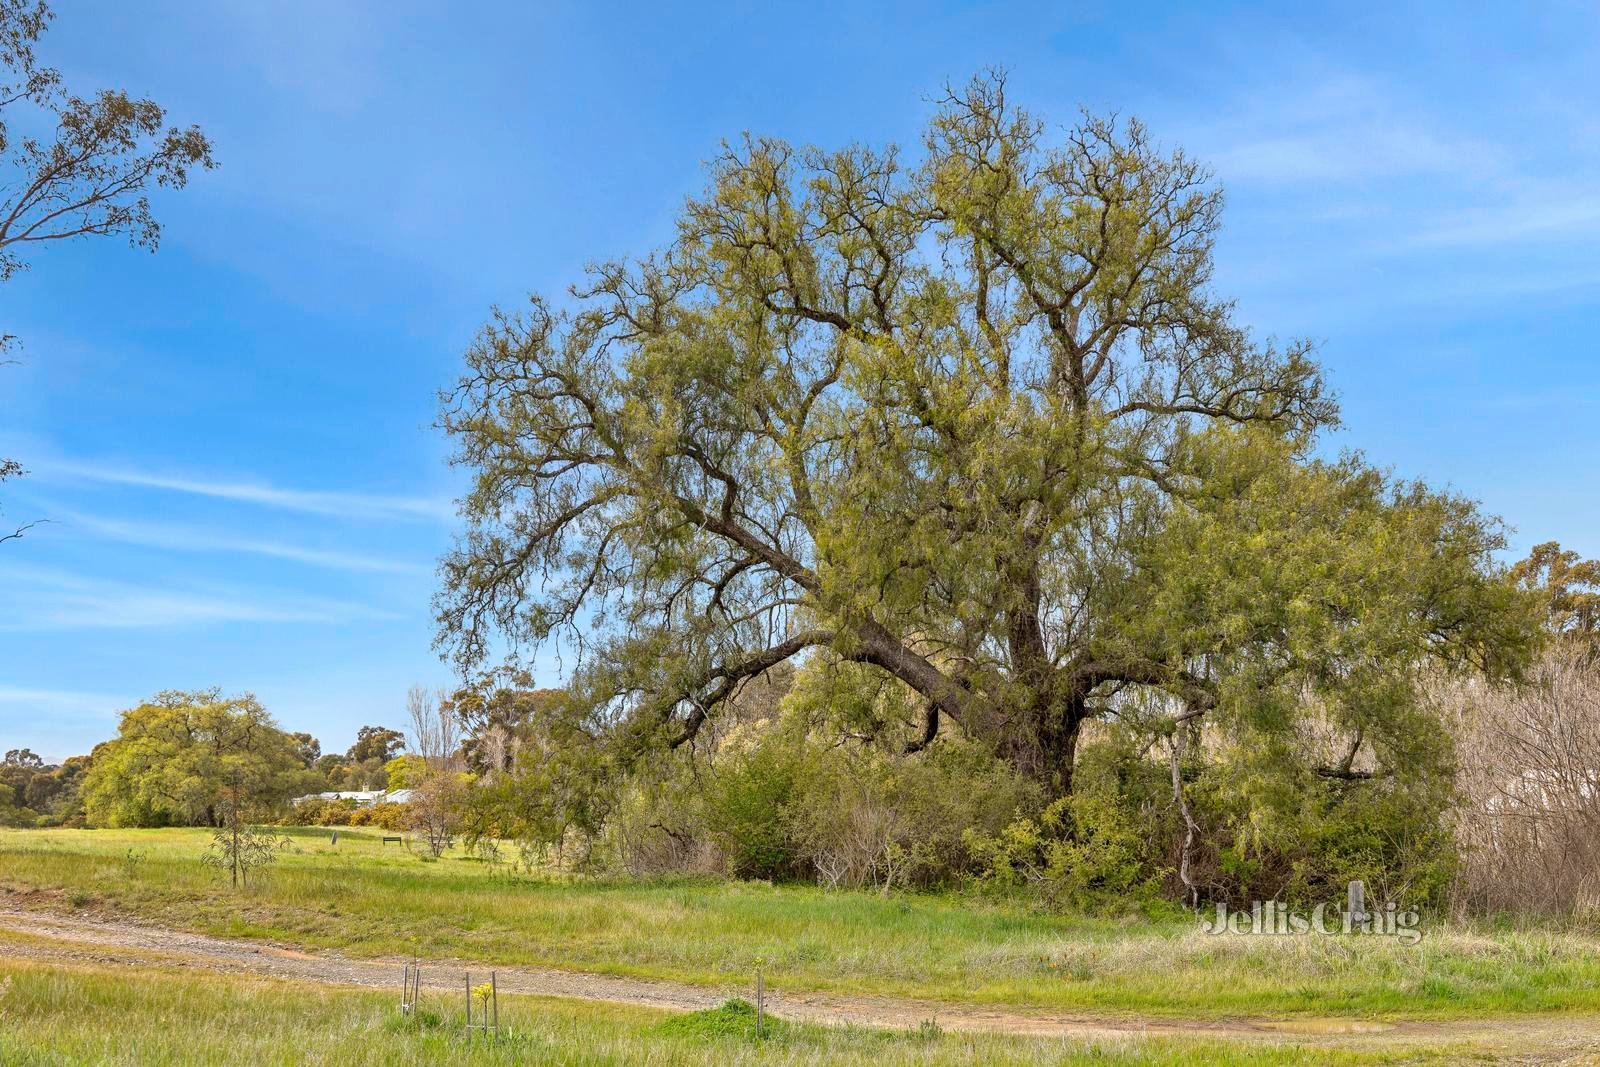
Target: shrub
{"points": [[1082, 851], [1528, 813], [1275, 830], [790, 806], [660, 825], [1392, 837], [323, 813], [306, 813], [19, 818], [394, 817], [746, 801], [861, 817], [732, 1020]]}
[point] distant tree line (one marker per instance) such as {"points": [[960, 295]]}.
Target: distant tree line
{"points": [[198, 757], [184, 758], [33, 791]]}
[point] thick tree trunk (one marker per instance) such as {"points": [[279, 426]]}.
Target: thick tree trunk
{"points": [[1059, 728], [1044, 746], [1057, 709]]}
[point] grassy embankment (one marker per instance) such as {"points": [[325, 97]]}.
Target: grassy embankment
{"points": [[363, 898]]}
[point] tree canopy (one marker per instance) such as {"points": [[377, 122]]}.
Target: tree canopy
{"points": [[376, 743], [1567, 585], [496, 716], [180, 756], [974, 423]]}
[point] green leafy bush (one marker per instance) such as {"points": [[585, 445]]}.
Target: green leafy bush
{"points": [[862, 817], [745, 804], [19, 818], [733, 1019], [394, 817], [1082, 851], [321, 812]]}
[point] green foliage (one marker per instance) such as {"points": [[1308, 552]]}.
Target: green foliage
{"points": [[733, 1019], [1277, 835], [1083, 851], [86, 162], [16, 817], [1270, 828], [176, 756], [406, 772], [975, 440], [559, 791], [1391, 837], [1568, 589], [319, 812], [746, 804], [862, 817], [782, 803], [35, 793], [376, 743], [340, 773], [497, 716], [348, 813], [238, 851]]}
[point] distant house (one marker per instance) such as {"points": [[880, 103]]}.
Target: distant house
{"points": [[363, 798]]}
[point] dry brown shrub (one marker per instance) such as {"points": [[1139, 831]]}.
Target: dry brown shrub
{"points": [[1528, 761]]}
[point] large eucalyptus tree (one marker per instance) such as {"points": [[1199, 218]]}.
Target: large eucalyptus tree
{"points": [[975, 420]]}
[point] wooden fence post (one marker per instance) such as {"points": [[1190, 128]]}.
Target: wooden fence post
{"points": [[761, 1001]]}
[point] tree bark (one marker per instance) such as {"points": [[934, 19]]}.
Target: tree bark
{"points": [[1061, 724]]}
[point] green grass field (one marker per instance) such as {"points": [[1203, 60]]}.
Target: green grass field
{"points": [[363, 898], [86, 1015]]}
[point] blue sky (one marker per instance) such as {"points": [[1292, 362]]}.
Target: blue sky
{"points": [[232, 436]]}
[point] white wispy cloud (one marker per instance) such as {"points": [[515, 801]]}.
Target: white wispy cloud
{"points": [[1338, 130], [68, 700], [188, 539], [1531, 213], [44, 599], [1374, 156], [309, 501]]}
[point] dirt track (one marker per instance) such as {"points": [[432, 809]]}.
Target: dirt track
{"points": [[111, 942]]}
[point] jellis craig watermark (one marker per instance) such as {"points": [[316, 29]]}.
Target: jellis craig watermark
{"points": [[1274, 917]]}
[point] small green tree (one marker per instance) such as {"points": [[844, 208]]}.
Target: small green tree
{"points": [[238, 847], [406, 772]]}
